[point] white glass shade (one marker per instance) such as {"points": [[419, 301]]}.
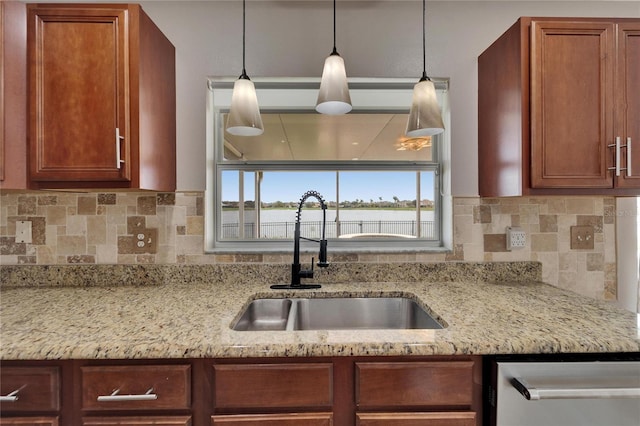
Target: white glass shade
{"points": [[425, 118], [244, 114], [333, 97]]}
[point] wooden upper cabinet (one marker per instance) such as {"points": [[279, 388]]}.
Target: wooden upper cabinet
{"points": [[101, 98], [628, 101], [13, 95], [555, 94]]}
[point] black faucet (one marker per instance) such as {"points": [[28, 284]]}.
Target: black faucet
{"points": [[296, 269]]}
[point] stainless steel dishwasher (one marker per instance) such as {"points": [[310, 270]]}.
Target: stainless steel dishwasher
{"points": [[593, 393]]}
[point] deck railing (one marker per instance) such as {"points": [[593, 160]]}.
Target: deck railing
{"points": [[312, 229]]}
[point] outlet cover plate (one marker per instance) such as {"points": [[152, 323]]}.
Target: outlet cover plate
{"points": [[516, 238], [145, 241], [582, 237]]}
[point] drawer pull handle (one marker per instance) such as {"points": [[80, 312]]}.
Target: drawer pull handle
{"points": [[116, 397], [12, 396]]}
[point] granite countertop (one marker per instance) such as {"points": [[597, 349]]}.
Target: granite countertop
{"points": [[192, 319]]}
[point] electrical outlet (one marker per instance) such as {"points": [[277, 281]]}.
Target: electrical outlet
{"points": [[582, 237], [23, 231], [516, 238], [145, 241]]}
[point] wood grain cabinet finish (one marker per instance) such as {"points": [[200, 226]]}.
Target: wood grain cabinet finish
{"points": [[171, 384], [37, 389], [101, 98], [138, 421], [292, 419], [417, 419], [13, 95], [554, 96], [414, 384], [286, 385], [29, 421]]}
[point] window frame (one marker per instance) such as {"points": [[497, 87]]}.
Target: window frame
{"points": [[298, 94]]}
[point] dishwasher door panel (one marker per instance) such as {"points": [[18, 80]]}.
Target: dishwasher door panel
{"points": [[570, 393]]}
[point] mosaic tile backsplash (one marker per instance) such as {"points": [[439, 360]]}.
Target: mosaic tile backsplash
{"points": [[102, 228]]}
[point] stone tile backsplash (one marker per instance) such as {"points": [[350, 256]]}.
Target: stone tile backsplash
{"points": [[101, 228]]}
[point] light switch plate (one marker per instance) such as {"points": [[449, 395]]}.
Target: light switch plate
{"points": [[582, 237], [23, 231]]}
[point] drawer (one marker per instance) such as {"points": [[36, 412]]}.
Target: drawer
{"points": [[273, 385], [38, 389], [463, 418], [29, 421], [145, 387], [137, 421], [293, 419], [414, 384]]}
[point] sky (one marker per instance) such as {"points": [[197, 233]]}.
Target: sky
{"points": [[289, 186]]}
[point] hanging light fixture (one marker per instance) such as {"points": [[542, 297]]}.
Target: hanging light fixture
{"points": [[334, 98], [244, 114], [425, 118]]}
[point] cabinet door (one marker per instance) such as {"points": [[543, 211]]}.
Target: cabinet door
{"points": [[572, 103], [628, 98], [293, 419], [13, 95], [29, 421], [78, 61], [416, 419]]}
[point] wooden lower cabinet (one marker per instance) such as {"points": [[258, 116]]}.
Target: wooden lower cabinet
{"points": [[138, 421], [291, 419], [29, 421], [312, 391], [416, 419]]}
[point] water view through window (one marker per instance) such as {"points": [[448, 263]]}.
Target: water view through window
{"points": [[360, 204]]}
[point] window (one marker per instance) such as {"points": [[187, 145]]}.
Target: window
{"points": [[382, 191]]}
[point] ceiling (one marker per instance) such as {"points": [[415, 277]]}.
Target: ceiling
{"points": [[311, 136]]}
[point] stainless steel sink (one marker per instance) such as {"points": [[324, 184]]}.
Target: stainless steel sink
{"points": [[264, 314], [339, 313]]}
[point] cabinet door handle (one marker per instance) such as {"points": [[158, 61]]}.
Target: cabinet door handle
{"points": [[617, 147], [116, 397], [629, 157], [119, 159], [12, 396]]}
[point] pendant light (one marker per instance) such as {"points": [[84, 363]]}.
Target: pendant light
{"points": [[425, 118], [334, 98], [244, 114]]}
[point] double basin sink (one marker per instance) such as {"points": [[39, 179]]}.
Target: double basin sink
{"points": [[334, 313]]}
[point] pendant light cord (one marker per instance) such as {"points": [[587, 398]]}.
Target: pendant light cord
{"points": [[424, 43], [244, 72], [334, 51]]}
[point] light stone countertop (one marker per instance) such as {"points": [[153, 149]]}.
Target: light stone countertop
{"points": [[192, 320]]}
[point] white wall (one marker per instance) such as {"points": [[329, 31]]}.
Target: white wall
{"points": [[376, 39]]}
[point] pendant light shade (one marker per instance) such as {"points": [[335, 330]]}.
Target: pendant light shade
{"points": [[333, 97], [244, 113], [425, 118]]}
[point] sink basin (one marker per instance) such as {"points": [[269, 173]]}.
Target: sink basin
{"points": [[264, 314], [335, 313]]}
